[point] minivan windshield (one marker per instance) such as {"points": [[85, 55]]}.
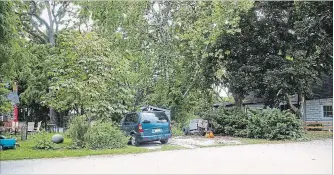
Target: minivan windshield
{"points": [[154, 117]]}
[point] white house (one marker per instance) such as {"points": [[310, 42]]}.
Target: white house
{"points": [[317, 107]]}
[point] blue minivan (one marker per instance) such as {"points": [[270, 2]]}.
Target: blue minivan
{"points": [[146, 126]]}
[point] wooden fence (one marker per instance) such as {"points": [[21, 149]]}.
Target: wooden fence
{"points": [[318, 125]]}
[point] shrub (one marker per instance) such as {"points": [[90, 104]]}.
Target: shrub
{"points": [[228, 122], [269, 124], [104, 136], [275, 125], [77, 130], [42, 140], [177, 129]]}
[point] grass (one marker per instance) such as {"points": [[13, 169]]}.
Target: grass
{"points": [[318, 135], [309, 136], [25, 151], [177, 131]]}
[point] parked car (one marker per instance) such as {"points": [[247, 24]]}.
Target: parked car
{"points": [[146, 126], [196, 126]]}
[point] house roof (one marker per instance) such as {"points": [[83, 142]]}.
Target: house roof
{"points": [[252, 99], [321, 89], [223, 104]]}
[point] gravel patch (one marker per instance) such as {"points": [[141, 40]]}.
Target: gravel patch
{"points": [[233, 142], [197, 141]]}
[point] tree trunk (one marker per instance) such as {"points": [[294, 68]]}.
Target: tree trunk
{"points": [[238, 101], [53, 116], [51, 39], [292, 107], [301, 106]]}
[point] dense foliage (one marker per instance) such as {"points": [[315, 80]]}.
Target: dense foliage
{"points": [[278, 52], [42, 140], [77, 130], [103, 59], [7, 33], [274, 125], [267, 124], [104, 136], [228, 122], [100, 135]]}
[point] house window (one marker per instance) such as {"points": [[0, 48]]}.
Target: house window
{"points": [[328, 111]]}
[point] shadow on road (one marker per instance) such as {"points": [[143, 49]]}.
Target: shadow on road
{"points": [[151, 145]]}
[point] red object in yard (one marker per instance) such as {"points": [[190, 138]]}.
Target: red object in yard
{"points": [[16, 113]]}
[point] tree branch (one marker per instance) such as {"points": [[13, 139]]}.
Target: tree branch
{"points": [[42, 40], [29, 29], [35, 26], [49, 14], [60, 14], [62, 8], [53, 14], [288, 100], [40, 20], [185, 94], [33, 13]]}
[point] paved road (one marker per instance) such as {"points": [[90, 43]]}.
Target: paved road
{"points": [[293, 158]]}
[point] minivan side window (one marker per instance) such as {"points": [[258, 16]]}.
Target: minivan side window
{"points": [[131, 119]]}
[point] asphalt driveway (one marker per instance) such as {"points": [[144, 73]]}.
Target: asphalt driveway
{"points": [[291, 158]]}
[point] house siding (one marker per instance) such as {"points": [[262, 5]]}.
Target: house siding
{"points": [[314, 109], [256, 106]]}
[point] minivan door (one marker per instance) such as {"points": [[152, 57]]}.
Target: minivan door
{"points": [[155, 123], [130, 123]]}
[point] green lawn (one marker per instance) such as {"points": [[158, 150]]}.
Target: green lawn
{"points": [[25, 151], [318, 135], [310, 135]]}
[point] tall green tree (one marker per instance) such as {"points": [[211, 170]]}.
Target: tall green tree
{"points": [[44, 30], [8, 37], [86, 78], [270, 57], [168, 42]]}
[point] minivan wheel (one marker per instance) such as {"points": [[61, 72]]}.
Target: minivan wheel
{"points": [[164, 141], [133, 140]]}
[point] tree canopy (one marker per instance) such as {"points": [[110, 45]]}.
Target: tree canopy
{"points": [[106, 58]]}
